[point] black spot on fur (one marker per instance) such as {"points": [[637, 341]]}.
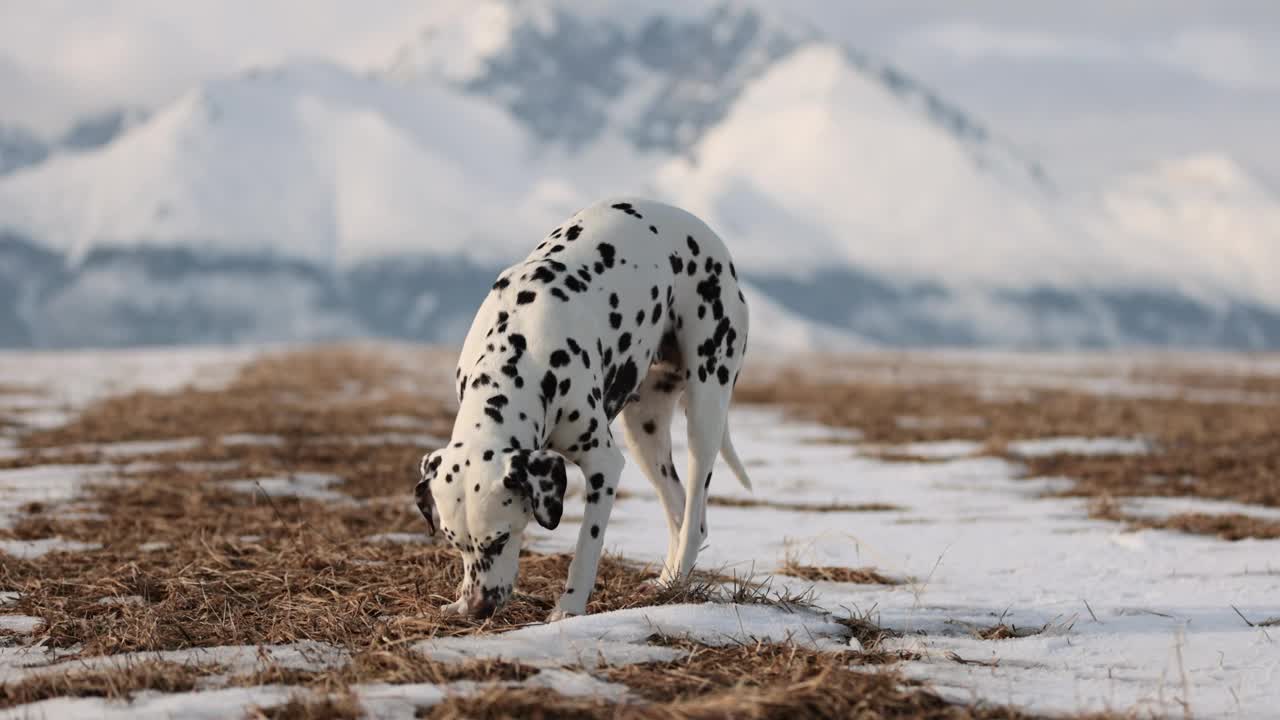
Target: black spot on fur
{"points": [[501, 283], [650, 427], [559, 358], [607, 254], [693, 245], [525, 297]]}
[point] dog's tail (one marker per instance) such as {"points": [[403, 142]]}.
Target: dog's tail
{"points": [[731, 456]]}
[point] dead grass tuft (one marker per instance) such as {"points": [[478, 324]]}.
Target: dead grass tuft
{"points": [[1227, 526], [305, 707], [749, 681], [117, 683], [835, 573]]}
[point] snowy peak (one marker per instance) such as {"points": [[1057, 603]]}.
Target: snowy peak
{"points": [[659, 80], [577, 74], [843, 171], [307, 161]]}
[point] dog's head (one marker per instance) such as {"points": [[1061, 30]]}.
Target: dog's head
{"points": [[482, 500]]}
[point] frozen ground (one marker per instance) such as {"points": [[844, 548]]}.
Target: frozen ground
{"points": [[1144, 620], [1131, 619]]}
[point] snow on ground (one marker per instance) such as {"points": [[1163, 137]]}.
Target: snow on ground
{"points": [[46, 484], [940, 450], [983, 545], [31, 549], [19, 623], [1142, 619], [619, 638], [314, 486], [1162, 507], [197, 705], [67, 381], [1045, 447]]}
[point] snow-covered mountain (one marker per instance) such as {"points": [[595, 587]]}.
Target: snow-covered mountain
{"points": [[309, 200]]}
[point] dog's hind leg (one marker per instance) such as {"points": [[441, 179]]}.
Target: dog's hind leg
{"points": [[646, 424], [707, 406]]}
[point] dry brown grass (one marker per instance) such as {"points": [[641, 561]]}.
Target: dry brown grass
{"points": [[298, 396], [741, 681], [1226, 449], [307, 707], [115, 683], [835, 573], [1227, 526]]}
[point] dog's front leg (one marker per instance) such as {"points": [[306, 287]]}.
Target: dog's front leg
{"points": [[602, 468]]}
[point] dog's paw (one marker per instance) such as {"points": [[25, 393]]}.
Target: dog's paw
{"points": [[559, 614], [454, 608]]}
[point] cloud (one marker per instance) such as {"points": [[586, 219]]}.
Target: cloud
{"points": [[1228, 58], [1231, 58]]}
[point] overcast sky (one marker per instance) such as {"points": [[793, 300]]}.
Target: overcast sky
{"points": [[1091, 87]]}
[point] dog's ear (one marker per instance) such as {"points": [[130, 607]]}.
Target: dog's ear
{"points": [[538, 475], [422, 491]]}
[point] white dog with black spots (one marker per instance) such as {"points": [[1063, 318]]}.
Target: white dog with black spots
{"points": [[623, 309]]}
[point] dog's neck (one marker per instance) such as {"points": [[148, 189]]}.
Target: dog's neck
{"points": [[494, 413]]}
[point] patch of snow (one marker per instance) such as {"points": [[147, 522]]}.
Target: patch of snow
{"points": [[154, 546], [8, 597], [122, 600], [580, 684], [1163, 507], [241, 439], [70, 380], [127, 448], [403, 422], [313, 486], [391, 702], [234, 659], [1045, 447], [939, 450], [387, 438], [913, 422], [32, 549], [196, 705], [619, 637], [19, 623], [401, 538], [49, 484]]}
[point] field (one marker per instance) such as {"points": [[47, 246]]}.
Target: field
{"points": [[230, 533]]}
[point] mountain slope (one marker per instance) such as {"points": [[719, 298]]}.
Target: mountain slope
{"points": [[842, 170], [307, 161]]}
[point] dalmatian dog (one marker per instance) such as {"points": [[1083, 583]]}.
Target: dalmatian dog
{"points": [[623, 309]]}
